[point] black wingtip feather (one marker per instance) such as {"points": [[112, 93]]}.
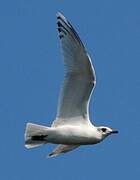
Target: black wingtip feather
{"points": [[61, 36], [59, 24], [59, 29], [60, 18]]}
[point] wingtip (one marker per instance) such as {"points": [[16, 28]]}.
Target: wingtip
{"points": [[52, 155], [60, 15]]}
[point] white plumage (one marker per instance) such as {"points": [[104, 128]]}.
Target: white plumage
{"points": [[72, 126]]}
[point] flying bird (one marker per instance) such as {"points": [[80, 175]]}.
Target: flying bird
{"points": [[72, 126]]}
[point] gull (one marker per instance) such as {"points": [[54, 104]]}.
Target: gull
{"points": [[72, 126]]}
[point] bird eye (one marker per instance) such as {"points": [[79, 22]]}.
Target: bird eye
{"points": [[103, 129]]}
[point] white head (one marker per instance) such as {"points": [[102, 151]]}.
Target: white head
{"points": [[105, 131]]}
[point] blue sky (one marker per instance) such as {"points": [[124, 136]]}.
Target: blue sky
{"points": [[31, 72]]}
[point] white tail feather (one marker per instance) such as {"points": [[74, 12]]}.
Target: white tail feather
{"points": [[35, 135]]}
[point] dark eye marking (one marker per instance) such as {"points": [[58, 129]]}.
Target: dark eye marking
{"points": [[103, 129]]}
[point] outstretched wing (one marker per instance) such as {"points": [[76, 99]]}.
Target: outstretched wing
{"points": [[62, 149], [79, 78]]}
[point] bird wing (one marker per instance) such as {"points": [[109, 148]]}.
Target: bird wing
{"points": [[62, 149], [79, 80]]}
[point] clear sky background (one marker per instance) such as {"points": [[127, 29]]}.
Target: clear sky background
{"points": [[31, 72]]}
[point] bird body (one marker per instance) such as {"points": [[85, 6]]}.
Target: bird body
{"points": [[78, 135], [72, 126]]}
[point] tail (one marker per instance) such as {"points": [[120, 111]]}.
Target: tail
{"points": [[35, 135]]}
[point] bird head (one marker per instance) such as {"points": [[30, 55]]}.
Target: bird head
{"points": [[105, 131]]}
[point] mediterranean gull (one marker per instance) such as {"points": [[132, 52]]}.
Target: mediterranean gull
{"points": [[72, 126]]}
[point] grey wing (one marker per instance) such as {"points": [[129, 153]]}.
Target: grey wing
{"points": [[62, 149], [79, 79]]}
